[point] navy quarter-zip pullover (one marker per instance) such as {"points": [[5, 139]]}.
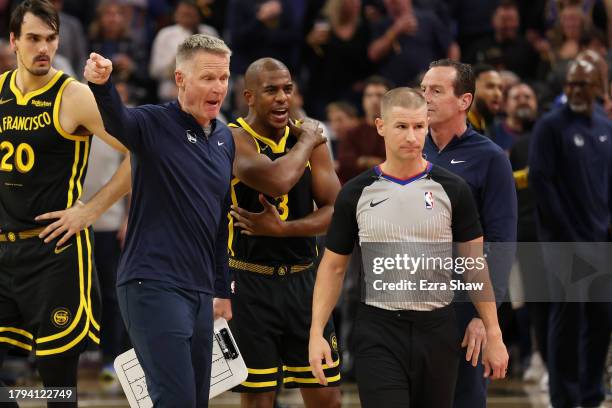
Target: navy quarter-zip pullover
{"points": [[486, 169], [570, 174], [177, 230]]}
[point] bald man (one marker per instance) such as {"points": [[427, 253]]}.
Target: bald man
{"points": [[603, 89], [570, 173], [272, 248]]}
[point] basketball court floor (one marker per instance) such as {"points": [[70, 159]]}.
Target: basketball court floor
{"points": [[503, 394]]}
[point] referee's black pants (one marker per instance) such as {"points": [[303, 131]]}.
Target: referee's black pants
{"points": [[406, 358]]}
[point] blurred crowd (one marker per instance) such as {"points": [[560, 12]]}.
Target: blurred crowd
{"points": [[334, 48]]}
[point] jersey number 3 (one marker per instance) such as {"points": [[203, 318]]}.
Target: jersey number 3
{"points": [[24, 157], [283, 207]]}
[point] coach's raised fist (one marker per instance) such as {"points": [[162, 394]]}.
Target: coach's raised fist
{"points": [[98, 69]]}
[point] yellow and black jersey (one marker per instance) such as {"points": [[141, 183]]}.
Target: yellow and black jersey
{"points": [[297, 204], [42, 166]]}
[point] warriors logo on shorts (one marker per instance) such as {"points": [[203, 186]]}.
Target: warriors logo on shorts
{"points": [[60, 317], [334, 342]]}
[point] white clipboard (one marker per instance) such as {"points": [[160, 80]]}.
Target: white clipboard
{"points": [[228, 369]]}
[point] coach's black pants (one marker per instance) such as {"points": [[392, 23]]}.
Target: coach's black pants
{"points": [[577, 347], [171, 330], [406, 358]]}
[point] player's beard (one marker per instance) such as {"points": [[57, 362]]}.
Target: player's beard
{"points": [[38, 71], [484, 110]]}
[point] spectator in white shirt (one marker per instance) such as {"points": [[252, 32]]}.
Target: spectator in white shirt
{"points": [[161, 68]]}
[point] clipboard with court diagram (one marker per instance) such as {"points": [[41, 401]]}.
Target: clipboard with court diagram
{"points": [[228, 369]]}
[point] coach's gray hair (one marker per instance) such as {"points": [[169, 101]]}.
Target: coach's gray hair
{"points": [[201, 42]]}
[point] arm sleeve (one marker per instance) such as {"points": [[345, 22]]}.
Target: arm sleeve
{"points": [[343, 230], [119, 121], [466, 224], [222, 275], [542, 170], [499, 220]]}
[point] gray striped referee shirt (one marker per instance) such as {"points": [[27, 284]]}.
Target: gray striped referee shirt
{"points": [[395, 221]]}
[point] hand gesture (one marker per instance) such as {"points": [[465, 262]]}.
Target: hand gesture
{"points": [[98, 69], [310, 130], [406, 24], [319, 35], [69, 222], [264, 223], [269, 10]]}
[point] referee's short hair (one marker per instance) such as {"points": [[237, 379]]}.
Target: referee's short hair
{"points": [[403, 97], [201, 42], [465, 81]]}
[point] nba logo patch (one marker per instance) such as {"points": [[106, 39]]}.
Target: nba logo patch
{"points": [[429, 200]]}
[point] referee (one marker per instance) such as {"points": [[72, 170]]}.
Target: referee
{"points": [[407, 345]]}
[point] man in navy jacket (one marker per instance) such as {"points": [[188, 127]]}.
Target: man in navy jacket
{"points": [[175, 258], [570, 173], [449, 91]]}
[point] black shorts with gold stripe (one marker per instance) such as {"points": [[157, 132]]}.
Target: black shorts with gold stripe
{"points": [[272, 309], [49, 296]]}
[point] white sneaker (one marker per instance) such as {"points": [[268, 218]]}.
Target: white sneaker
{"points": [[544, 382], [536, 369]]}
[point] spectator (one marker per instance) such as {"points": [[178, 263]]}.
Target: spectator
{"points": [[513, 135], [509, 79], [214, 13], [161, 67], [337, 41], [5, 7], [342, 119], [265, 28], [83, 10], [8, 60], [472, 19], [505, 48], [521, 113], [362, 148], [564, 38], [73, 42], [487, 100], [407, 40], [110, 36], [297, 112]]}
